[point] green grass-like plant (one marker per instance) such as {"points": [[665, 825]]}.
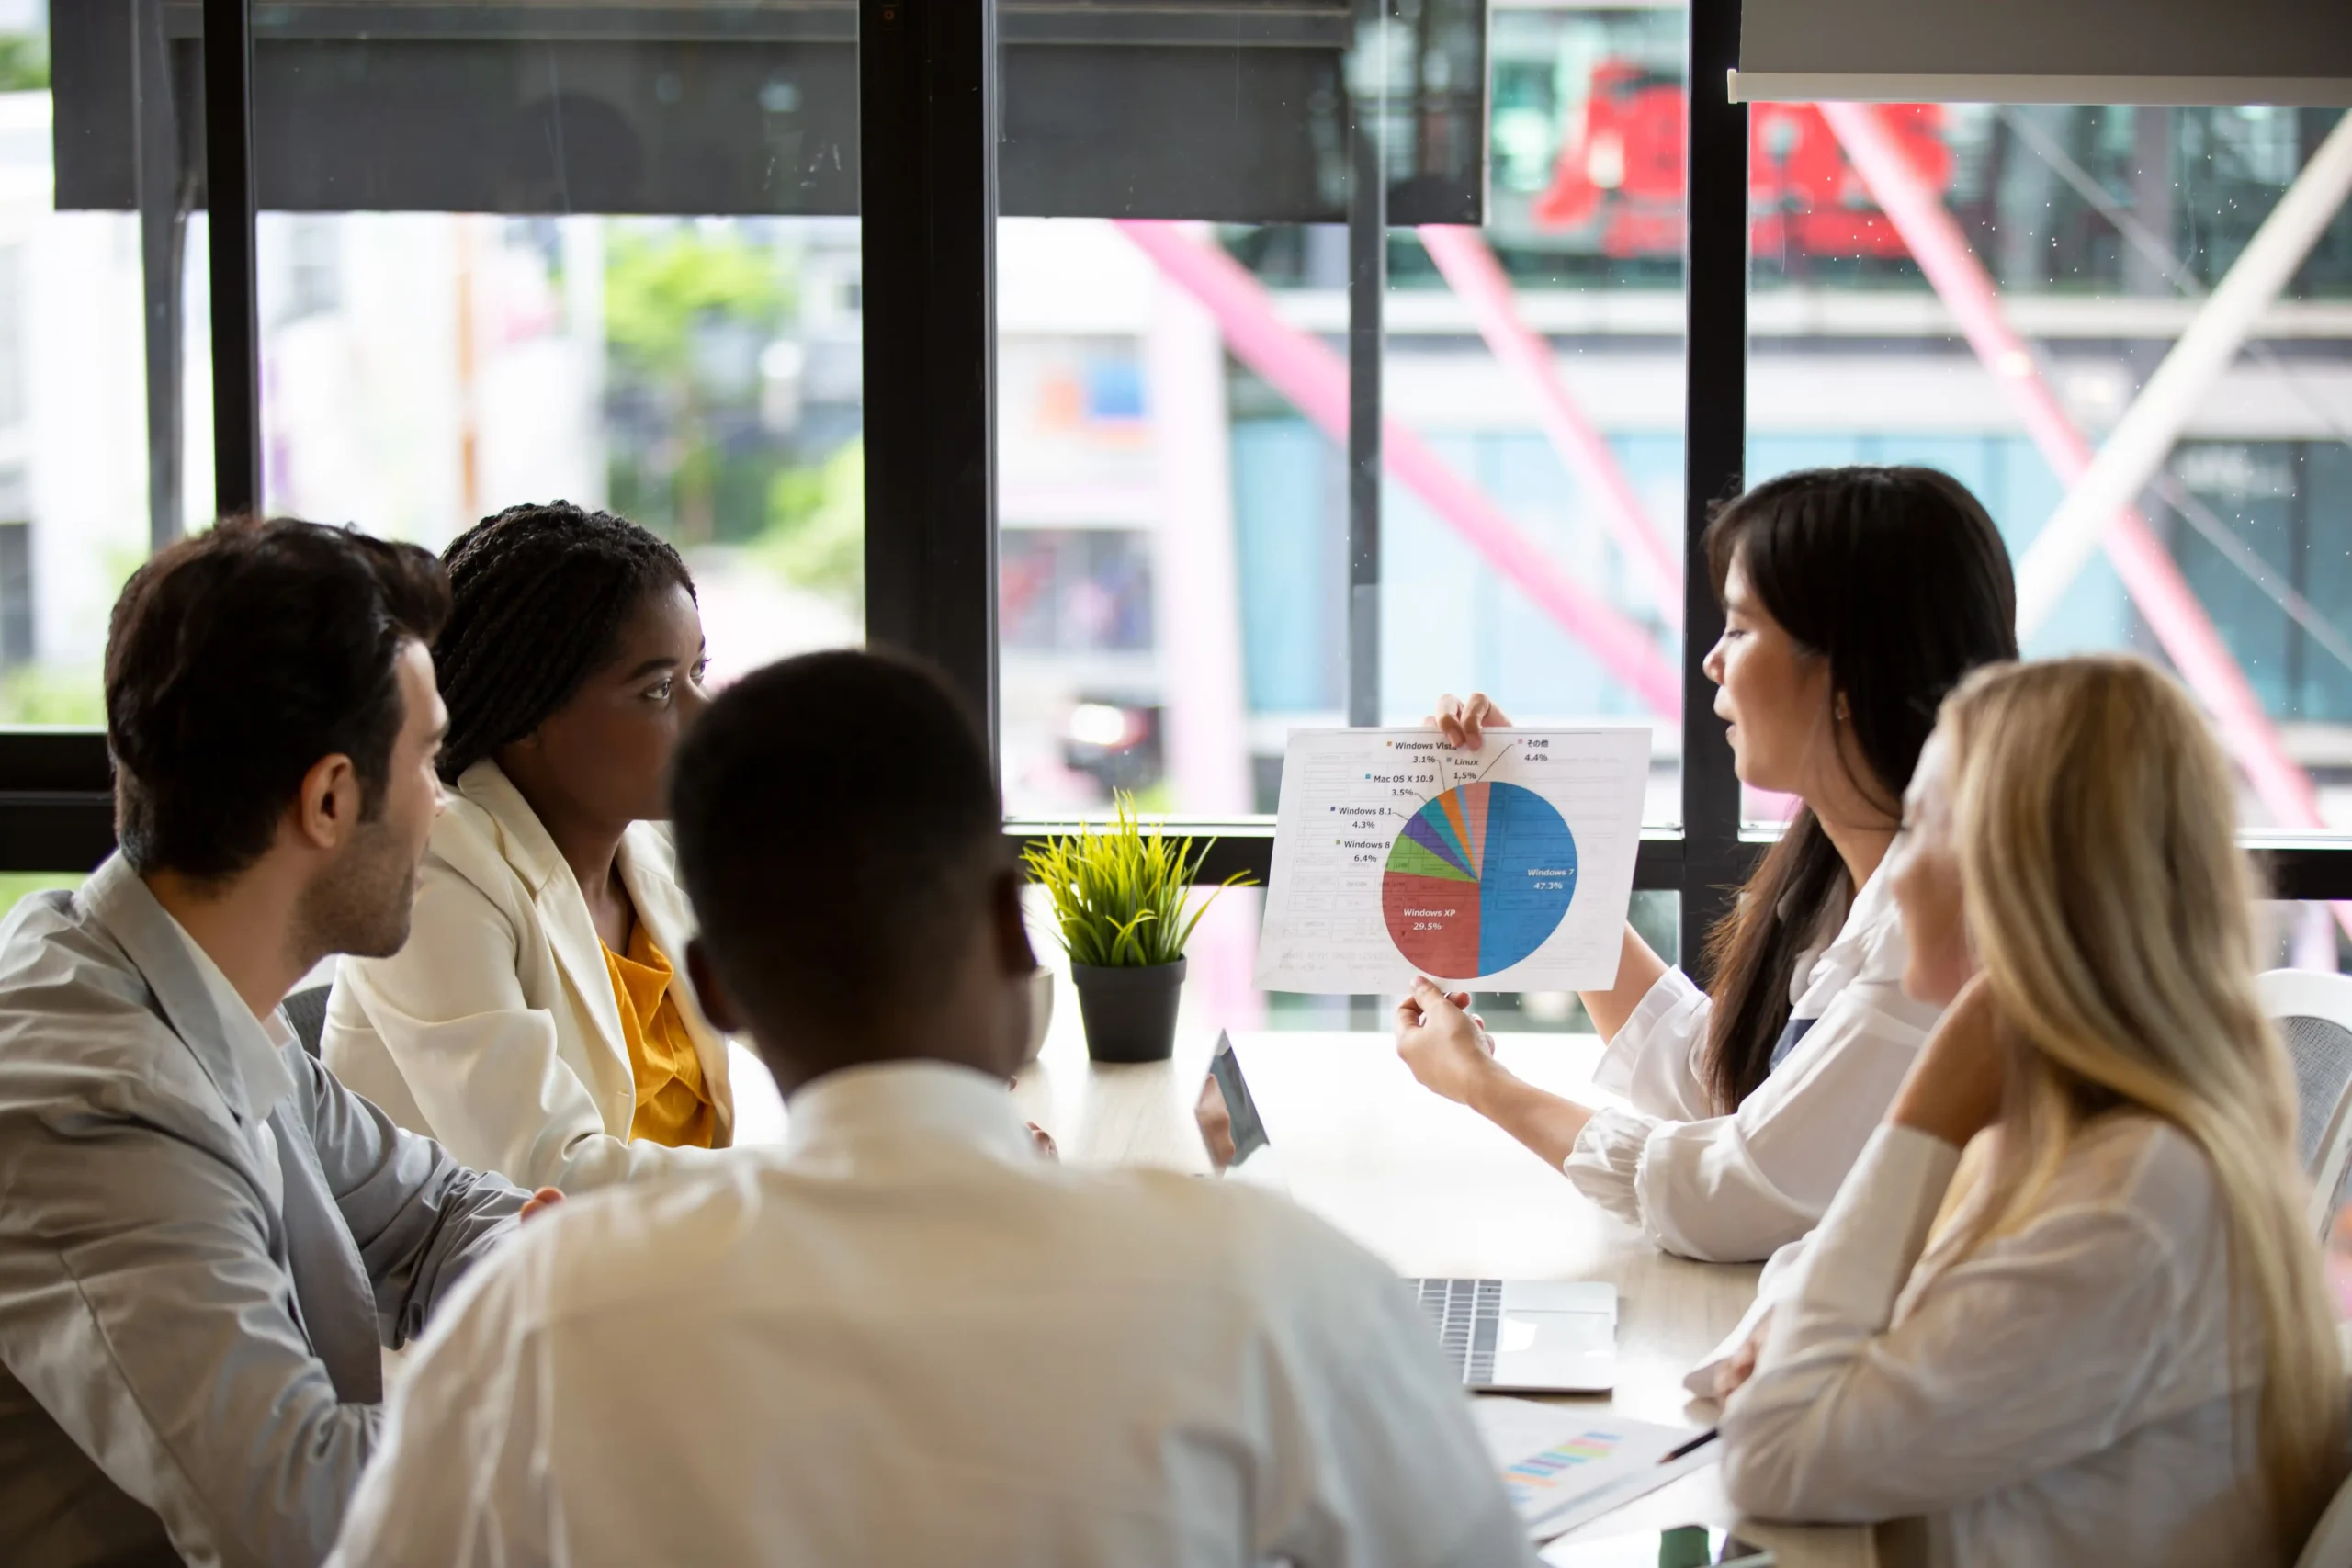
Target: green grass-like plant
{"points": [[1119, 890]]}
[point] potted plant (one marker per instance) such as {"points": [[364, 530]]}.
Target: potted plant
{"points": [[1119, 893]]}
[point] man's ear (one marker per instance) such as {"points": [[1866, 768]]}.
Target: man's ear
{"points": [[326, 809], [717, 1005], [1014, 955]]}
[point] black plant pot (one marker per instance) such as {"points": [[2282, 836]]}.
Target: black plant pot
{"points": [[1130, 1014]]}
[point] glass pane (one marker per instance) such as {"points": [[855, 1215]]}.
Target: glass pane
{"points": [[76, 308], [1173, 374], [2066, 250], [1174, 557], [515, 262], [2302, 936], [1551, 380]]}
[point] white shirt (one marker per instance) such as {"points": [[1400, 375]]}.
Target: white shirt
{"points": [[909, 1340], [2063, 1395], [1731, 1189]]}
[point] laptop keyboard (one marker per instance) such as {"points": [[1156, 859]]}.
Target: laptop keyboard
{"points": [[1468, 1314]]}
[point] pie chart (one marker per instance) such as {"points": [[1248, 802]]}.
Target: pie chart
{"points": [[1477, 879]]}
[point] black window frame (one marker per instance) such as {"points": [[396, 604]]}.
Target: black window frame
{"points": [[928, 130]]}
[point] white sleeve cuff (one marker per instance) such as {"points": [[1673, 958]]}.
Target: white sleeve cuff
{"points": [[1699, 1381], [1606, 1160], [1857, 1261], [1780, 1271], [1668, 1019]]}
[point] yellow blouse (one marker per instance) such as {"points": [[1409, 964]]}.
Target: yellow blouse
{"points": [[673, 1106]]}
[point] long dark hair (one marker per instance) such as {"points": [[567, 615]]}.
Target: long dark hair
{"points": [[538, 597], [1898, 577]]}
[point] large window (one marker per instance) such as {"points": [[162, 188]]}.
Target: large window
{"points": [[1178, 564], [1989, 289], [1191, 563], [1047, 339], [94, 309], [625, 273]]}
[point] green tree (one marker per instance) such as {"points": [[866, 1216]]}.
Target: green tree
{"points": [[816, 532], [669, 296], [24, 62], [38, 694]]}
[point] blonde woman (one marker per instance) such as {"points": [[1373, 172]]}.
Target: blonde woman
{"points": [[2101, 1336]]}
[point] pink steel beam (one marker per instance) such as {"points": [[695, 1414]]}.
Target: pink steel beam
{"points": [[1316, 380], [2149, 574], [2136, 448], [1470, 267]]}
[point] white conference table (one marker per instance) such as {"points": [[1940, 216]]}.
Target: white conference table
{"points": [[1435, 1190]]}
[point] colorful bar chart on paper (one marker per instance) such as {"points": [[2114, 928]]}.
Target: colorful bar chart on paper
{"points": [[1477, 879], [1562, 1468], [1532, 1483]]}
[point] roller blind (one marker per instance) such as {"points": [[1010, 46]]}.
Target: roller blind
{"points": [[1230, 110], [2062, 51]]}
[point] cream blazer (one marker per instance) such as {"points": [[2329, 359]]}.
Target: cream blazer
{"points": [[494, 1029]]}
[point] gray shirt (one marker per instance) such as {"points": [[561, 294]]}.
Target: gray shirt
{"points": [[204, 1241]]}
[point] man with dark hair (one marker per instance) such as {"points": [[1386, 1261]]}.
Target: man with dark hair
{"points": [[913, 1340], [206, 1241]]}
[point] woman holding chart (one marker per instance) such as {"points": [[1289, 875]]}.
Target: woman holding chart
{"points": [[2099, 1335], [1854, 599]]}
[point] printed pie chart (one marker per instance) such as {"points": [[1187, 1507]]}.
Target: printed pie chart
{"points": [[1477, 880]]}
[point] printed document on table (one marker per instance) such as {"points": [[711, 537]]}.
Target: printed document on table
{"points": [[1397, 854], [1562, 1466]]}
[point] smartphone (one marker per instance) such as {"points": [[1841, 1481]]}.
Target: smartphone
{"points": [[1686, 1546]]}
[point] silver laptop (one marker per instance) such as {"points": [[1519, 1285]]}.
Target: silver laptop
{"points": [[1508, 1336]]}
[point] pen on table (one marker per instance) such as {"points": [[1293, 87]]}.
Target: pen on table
{"points": [[1693, 1446]]}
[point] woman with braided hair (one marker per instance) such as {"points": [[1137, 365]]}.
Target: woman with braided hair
{"points": [[536, 1023]]}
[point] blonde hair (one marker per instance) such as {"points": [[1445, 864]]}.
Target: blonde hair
{"points": [[2111, 906]]}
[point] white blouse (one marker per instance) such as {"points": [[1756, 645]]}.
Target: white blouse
{"points": [[1731, 1189], [494, 1031], [2070, 1392]]}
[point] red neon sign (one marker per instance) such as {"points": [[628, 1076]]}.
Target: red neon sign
{"points": [[1621, 168]]}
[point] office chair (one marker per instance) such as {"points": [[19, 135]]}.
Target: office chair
{"points": [[2313, 1014], [306, 1011]]}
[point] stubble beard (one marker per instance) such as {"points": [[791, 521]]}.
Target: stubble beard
{"points": [[361, 906]]}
